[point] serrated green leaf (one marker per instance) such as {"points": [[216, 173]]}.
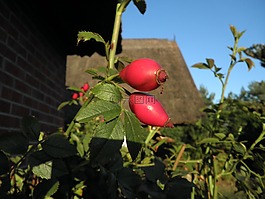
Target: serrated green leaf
{"points": [[108, 92], [57, 146], [134, 132], [200, 66], [133, 129], [106, 141], [86, 35], [210, 62], [109, 110], [208, 140], [112, 130], [141, 5], [46, 188], [43, 170]]}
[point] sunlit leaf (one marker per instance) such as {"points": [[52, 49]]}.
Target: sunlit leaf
{"points": [[239, 34], [240, 49], [233, 30], [135, 134], [86, 35], [210, 62], [249, 63], [43, 170], [106, 91], [200, 66], [109, 110], [106, 141]]}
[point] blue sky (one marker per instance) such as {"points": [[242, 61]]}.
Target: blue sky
{"points": [[201, 30]]}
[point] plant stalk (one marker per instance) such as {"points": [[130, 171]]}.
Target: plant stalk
{"points": [[116, 30], [232, 64]]}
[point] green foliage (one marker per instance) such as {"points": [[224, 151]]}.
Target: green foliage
{"points": [[105, 152]]}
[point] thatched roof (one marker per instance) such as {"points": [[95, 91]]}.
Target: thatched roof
{"points": [[180, 96]]}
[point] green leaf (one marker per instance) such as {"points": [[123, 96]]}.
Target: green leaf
{"points": [[14, 143], [30, 128], [240, 49], [216, 69], [109, 110], [233, 57], [200, 66], [46, 188], [210, 62], [112, 130], [92, 71], [133, 129], [79, 144], [107, 141], [239, 34], [43, 170], [57, 146], [233, 30], [135, 134], [86, 35], [141, 5], [208, 140], [108, 92], [220, 135], [63, 104]]}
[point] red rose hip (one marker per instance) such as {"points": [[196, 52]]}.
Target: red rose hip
{"points": [[143, 74], [149, 110]]}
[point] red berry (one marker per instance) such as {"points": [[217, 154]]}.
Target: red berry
{"points": [[81, 94], [75, 96], [143, 74], [149, 110], [85, 87]]}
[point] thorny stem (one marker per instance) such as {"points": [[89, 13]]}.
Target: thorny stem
{"points": [[116, 29]]}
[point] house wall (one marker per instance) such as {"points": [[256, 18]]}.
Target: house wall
{"points": [[32, 72]]}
